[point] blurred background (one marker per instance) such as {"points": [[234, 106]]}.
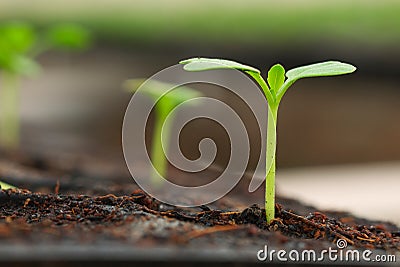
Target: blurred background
{"points": [[76, 105]]}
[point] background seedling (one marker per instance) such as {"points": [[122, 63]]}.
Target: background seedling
{"points": [[165, 104], [274, 89], [20, 44], [5, 186]]}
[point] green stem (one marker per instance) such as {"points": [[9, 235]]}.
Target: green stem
{"points": [[158, 157], [9, 117], [271, 163], [273, 104]]}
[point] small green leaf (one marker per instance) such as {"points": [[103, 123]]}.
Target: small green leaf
{"points": [[68, 37], [16, 37], [276, 77], [200, 64], [329, 68], [5, 186], [24, 66], [154, 89], [19, 64]]}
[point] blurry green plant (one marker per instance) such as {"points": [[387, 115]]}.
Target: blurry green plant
{"points": [[20, 44], [274, 89], [165, 104], [5, 186]]}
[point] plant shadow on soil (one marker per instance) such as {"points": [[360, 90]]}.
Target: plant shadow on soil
{"points": [[109, 214]]}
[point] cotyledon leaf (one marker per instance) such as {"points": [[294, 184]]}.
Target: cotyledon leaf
{"points": [[328, 68], [68, 37], [155, 89], [201, 64]]}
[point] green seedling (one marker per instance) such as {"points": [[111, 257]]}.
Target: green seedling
{"points": [[20, 44], [165, 104], [5, 186], [274, 88]]}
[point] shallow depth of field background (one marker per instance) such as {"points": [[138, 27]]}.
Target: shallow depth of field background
{"points": [[77, 104]]}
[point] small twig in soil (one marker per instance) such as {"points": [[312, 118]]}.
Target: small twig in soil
{"points": [[170, 214], [57, 187], [318, 226], [366, 239]]}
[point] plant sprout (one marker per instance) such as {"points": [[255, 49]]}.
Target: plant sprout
{"points": [[165, 104], [274, 88], [5, 186], [20, 44]]}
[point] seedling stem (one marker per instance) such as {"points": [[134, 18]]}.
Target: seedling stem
{"points": [[9, 116]]}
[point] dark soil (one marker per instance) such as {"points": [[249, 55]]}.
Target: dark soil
{"points": [[84, 217], [25, 215]]}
